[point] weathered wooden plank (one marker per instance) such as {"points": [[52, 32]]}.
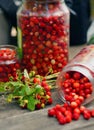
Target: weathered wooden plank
{"points": [[14, 118], [39, 120], [13, 109]]}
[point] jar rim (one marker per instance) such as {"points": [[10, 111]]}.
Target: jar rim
{"points": [[81, 69], [8, 46], [4, 57], [40, 1]]}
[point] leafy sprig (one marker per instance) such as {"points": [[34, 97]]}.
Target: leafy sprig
{"points": [[31, 91]]}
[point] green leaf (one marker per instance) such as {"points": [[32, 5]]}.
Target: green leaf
{"points": [[28, 90], [38, 89], [16, 90], [14, 84], [2, 87], [22, 92], [91, 41], [31, 103]]}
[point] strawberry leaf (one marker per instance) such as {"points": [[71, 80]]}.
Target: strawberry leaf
{"points": [[91, 41], [2, 87], [38, 89], [31, 103], [28, 90]]}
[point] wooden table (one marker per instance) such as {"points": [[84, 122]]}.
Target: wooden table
{"points": [[12, 117]]}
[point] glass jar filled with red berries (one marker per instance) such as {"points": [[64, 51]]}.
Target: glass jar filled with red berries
{"points": [[9, 62], [43, 35], [76, 81]]}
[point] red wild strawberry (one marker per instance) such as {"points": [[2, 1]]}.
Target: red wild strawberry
{"points": [[92, 113], [68, 118], [73, 105], [75, 116], [36, 80], [51, 112], [86, 114], [82, 109], [62, 120], [49, 101], [76, 110], [76, 75]]}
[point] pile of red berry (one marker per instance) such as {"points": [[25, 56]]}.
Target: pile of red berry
{"points": [[9, 63], [45, 38], [76, 89], [66, 113]]}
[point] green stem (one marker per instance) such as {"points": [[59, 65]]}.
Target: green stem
{"points": [[55, 75]]}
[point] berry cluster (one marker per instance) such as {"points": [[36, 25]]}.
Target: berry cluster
{"points": [[41, 95], [45, 96], [66, 113], [9, 63], [44, 38], [76, 88], [31, 91]]}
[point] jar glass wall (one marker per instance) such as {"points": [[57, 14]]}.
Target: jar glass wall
{"points": [[9, 62], [43, 35], [76, 81]]}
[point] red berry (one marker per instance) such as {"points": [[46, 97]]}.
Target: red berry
{"points": [[76, 85], [58, 107], [86, 114], [68, 113], [81, 98], [48, 93], [49, 101], [62, 120], [38, 106], [76, 110], [62, 109], [92, 113], [76, 75], [1, 69], [51, 112], [68, 118], [73, 104], [58, 114], [66, 105], [82, 109], [66, 76], [75, 116], [36, 80], [78, 102]]}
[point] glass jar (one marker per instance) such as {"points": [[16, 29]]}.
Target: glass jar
{"points": [[77, 77], [43, 35], [9, 62]]}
